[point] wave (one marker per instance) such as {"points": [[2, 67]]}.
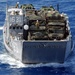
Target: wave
{"points": [[1, 28], [7, 59]]}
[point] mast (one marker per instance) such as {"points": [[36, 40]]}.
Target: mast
{"points": [[25, 27]]}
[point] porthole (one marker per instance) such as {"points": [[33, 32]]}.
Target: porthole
{"points": [[20, 27], [13, 27], [17, 27]]}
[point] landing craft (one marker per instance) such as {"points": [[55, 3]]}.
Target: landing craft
{"points": [[37, 36]]}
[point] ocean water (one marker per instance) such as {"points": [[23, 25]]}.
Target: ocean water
{"points": [[10, 66]]}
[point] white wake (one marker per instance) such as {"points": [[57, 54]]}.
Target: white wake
{"points": [[7, 59], [1, 28]]}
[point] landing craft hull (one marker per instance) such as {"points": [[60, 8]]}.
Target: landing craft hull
{"points": [[33, 36], [39, 51]]}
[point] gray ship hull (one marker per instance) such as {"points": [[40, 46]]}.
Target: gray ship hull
{"points": [[39, 51]]}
